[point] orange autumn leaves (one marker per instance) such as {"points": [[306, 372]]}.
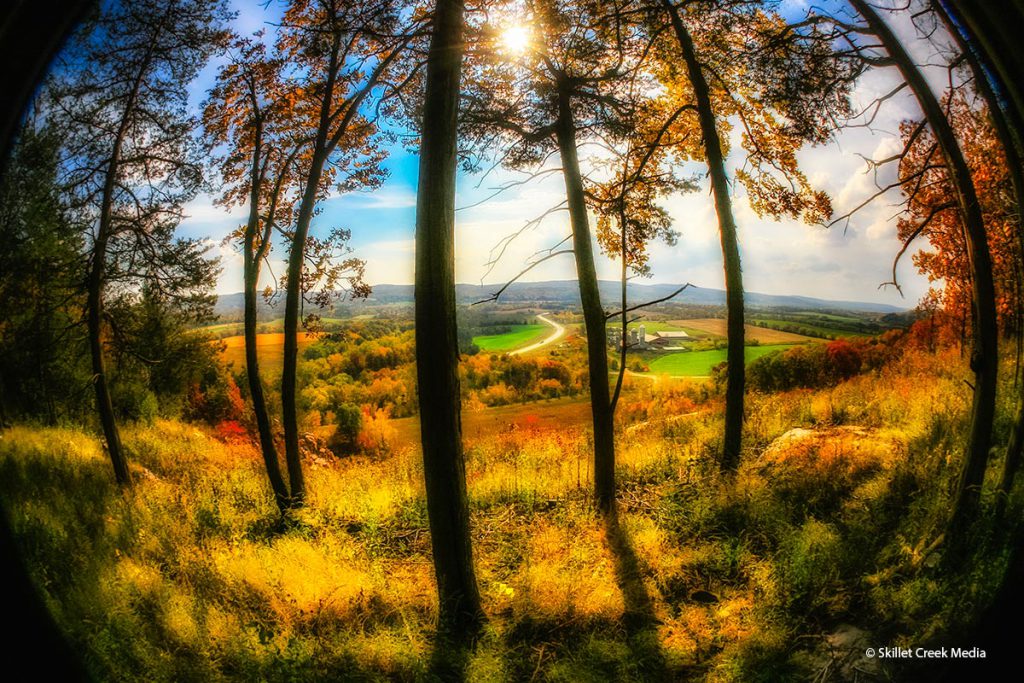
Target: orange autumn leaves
{"points": [[927, 185]]}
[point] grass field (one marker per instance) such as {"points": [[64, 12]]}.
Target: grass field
{"points": [[192, 576], [829, 316], [521, 335], [716, 327], [699, 363], [819, 329], [270, 348]]}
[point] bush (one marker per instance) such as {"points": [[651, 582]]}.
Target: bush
{"points": [[348, 423]]}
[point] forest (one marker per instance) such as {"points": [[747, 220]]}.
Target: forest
{"points": [[737, 395]]}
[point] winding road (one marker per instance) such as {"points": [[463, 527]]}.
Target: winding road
{"points": [[555, 336]]}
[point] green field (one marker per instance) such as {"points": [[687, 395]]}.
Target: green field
{"points": [[818, 329], [699, 363], [833, 317], [521, 335]]}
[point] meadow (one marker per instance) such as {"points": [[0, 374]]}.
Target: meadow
{"points": [[700, 363], [193, 575], [812, 328], [519, 335], [269, 347]]}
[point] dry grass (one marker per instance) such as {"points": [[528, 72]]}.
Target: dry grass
{"points": [[762, 335], [191, 576]]}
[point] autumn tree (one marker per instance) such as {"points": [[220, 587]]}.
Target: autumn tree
{"points": [[739, 64], [566, 86], [437, 353], [629, 215], [876, 45], [343, 52], [248, 115], [1008, 130], [129, 162]]}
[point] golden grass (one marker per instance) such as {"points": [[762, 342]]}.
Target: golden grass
{"points": [[762, 335], [191, 577]]}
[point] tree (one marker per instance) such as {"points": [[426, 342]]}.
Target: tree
{"points": [[248, 112], [344, 51], [437, 353], [128, 161], [766, 77], [1005, 120], [730, 245], [40, 299], [984, 352], [570, 84]]}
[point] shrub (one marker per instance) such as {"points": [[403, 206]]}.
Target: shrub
{"points": [[348, 422]]}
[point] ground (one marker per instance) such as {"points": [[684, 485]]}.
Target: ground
{"points": [[192, 576]]}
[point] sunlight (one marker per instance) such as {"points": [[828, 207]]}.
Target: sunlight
{"points": [[516, 39]]}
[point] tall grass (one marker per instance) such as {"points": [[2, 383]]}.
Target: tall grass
{"points": [[193, 576]]}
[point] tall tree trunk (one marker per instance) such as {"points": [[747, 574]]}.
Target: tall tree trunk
{"points": [[1015, 447], [94, 307], [289, 371], [437, 351], [95, 282], [251, 276], [293, 289], [593, 312], [736, 378], [984, 358]]}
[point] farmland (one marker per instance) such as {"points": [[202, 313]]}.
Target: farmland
{"points": [[270, 347], [717, 327], [699, 363], [519, 335], [811, 328]]}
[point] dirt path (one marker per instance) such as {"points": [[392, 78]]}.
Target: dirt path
{"points": [[558, 334]]}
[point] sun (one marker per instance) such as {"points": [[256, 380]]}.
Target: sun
{"points": [[516, 39]]}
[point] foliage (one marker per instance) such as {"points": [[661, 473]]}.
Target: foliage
{"points": [[933, 216], [818, 365], [41, 341]]}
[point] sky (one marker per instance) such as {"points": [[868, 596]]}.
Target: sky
{"points": [[779, 257]]}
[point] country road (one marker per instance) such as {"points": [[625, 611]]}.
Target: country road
{"points": [[555, 336]]}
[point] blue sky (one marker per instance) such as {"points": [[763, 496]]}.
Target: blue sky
{"points": [[784, 257]]}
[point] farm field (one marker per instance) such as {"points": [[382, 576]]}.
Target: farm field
{"points": [[270, 348], [521, 335], [699, 363], [819, 329], [835, 317], [762, 335], [225, 330]]}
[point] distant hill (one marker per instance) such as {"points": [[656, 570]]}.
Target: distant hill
{"points": [[565, 292]]}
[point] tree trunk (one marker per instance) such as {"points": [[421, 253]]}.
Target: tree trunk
{"points": [[736, 378], [984, 358], [94, 306], [593, 312], [94, 299], [1015, 446], [252, 366], [289, 371], [293, 290], [437, 352]]}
